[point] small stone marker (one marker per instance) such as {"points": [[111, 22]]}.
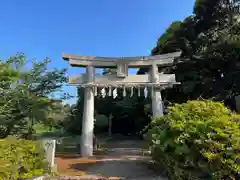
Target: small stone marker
{"points": [[49, 146]]}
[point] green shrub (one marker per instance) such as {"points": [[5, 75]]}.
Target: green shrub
{"points": [[20, 159], [197, 140]]}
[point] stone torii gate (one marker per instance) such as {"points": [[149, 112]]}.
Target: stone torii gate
{"points": [[153, 81]]}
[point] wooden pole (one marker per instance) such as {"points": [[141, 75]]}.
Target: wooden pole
{"points": [[110, 125], [88, 116]]}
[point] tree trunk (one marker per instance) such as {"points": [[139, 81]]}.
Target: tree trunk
{"points": [[109, 126]]}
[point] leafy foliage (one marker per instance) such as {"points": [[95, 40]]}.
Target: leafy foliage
{"points": [[25, 94], [21, 159], [209, 65], [197, 140]]}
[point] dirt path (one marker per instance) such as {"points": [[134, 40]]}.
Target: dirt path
{"points": [[124, 160]]}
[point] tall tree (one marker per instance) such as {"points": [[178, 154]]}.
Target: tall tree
{"points": [[26, 93], [209, 41]]}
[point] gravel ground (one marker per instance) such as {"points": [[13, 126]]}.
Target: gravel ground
{"points": [[124, 160]]}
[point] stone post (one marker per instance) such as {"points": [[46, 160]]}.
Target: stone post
{"points": [[157, 104], [49, 146], [88, 116]]}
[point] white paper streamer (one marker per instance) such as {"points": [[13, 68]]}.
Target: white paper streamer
{"points": [[145, 92], [139, 91], [110, 91], [115, 93], [124, 92], [131, 92], [103, 92]]}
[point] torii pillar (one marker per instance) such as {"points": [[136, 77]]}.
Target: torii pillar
{"points": [[157, 104], [88, 116]]}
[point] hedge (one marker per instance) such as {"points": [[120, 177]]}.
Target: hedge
{"points": [[197, 140], [21, 159]]}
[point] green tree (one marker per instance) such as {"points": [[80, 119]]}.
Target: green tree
{"points": [[73, 121], [209, 64], [26, 93]]}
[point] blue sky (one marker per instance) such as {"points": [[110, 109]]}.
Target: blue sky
{"points": [[46, 28]]}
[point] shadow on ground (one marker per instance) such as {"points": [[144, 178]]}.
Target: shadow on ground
{"points": [[119, 167], [123, 160]]}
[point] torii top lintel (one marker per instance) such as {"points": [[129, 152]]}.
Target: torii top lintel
{"points": [[132, 62]]}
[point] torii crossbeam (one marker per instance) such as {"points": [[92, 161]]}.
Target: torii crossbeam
{"points": [[154, 80]]}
